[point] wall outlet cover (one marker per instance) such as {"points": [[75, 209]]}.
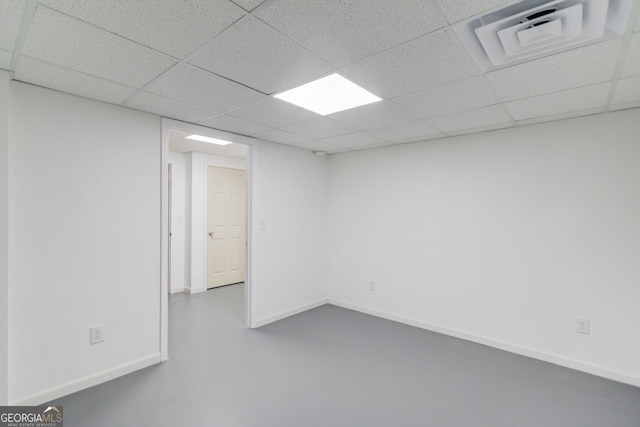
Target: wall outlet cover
{"points": [[96, 334], [583, 326]]}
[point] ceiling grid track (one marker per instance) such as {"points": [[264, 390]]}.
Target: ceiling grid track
{"points": [[626, 43], [30, 10], [202, 63]]}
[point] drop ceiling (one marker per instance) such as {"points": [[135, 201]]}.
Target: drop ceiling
{"points": [[218, 63]]}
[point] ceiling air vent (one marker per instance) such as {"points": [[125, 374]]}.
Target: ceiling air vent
{"points": [[531, 29]]}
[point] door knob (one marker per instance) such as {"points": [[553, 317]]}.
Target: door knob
{"points": [[211, 234]]}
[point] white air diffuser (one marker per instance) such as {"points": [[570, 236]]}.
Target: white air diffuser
{"points": [[531, 29]]}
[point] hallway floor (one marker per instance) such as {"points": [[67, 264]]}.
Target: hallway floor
{"points": [[334, 367]]}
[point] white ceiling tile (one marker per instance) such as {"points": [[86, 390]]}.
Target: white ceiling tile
{"points": [[426, 62], [355, 140], [201, 88], [631, 65], [234, 124], [345, 31], [280, 136], [472, 119], [401, 52], [67, 42], [319, 128], [40, 73], [578, 99], [562, 116], [5, 59], [248, 4], [579, 67], [627, 91], [450, 98], [11, 13], [176, 28], [321, 146], [456, 10], [167, 107], [254, 54], [407, 131], [372, 116], [272, 112]]}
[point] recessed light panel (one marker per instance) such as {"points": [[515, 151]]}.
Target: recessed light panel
{"points": [[208, 139], [328, 95]]}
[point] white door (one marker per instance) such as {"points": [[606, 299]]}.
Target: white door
{"points": [[226, 228]]}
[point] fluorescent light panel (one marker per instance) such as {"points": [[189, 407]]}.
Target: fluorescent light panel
{"points": [[208, 139], [328, 95]]}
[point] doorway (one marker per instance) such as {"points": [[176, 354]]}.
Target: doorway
{"points": [[189, 228], [226, 226]]}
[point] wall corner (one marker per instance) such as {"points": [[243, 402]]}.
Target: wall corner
{"points": [[5, 78]]}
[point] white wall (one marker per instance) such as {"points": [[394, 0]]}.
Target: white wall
{"points": [[178, 218], [4, 235], [289, 257], [502, 237], [84, 218]]}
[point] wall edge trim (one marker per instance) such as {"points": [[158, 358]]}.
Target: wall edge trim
{"points": [[555, 359], [87, 381], [288, 313]]}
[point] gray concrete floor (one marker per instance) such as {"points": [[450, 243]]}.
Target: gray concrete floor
{"points": [[333, 367]]}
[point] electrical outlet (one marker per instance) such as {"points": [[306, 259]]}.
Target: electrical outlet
{"points": [[582, 326], [96, 334], [372, 286]]}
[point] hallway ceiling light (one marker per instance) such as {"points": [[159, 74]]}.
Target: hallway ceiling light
{"points": [[328, 95], [208, 139]]}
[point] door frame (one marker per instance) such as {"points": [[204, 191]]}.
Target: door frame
{"points": [[168, 124], [169, 214]]}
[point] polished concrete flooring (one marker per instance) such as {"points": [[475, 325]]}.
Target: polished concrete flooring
{"points": [[334, 367]]}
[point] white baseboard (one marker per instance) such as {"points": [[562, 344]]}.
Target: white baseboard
{"points": [[194, 291], [176, 290], [556, 359], [86, 382], [270, 319]]}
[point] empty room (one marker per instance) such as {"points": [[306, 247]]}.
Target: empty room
{"points": [[320, 213]]}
